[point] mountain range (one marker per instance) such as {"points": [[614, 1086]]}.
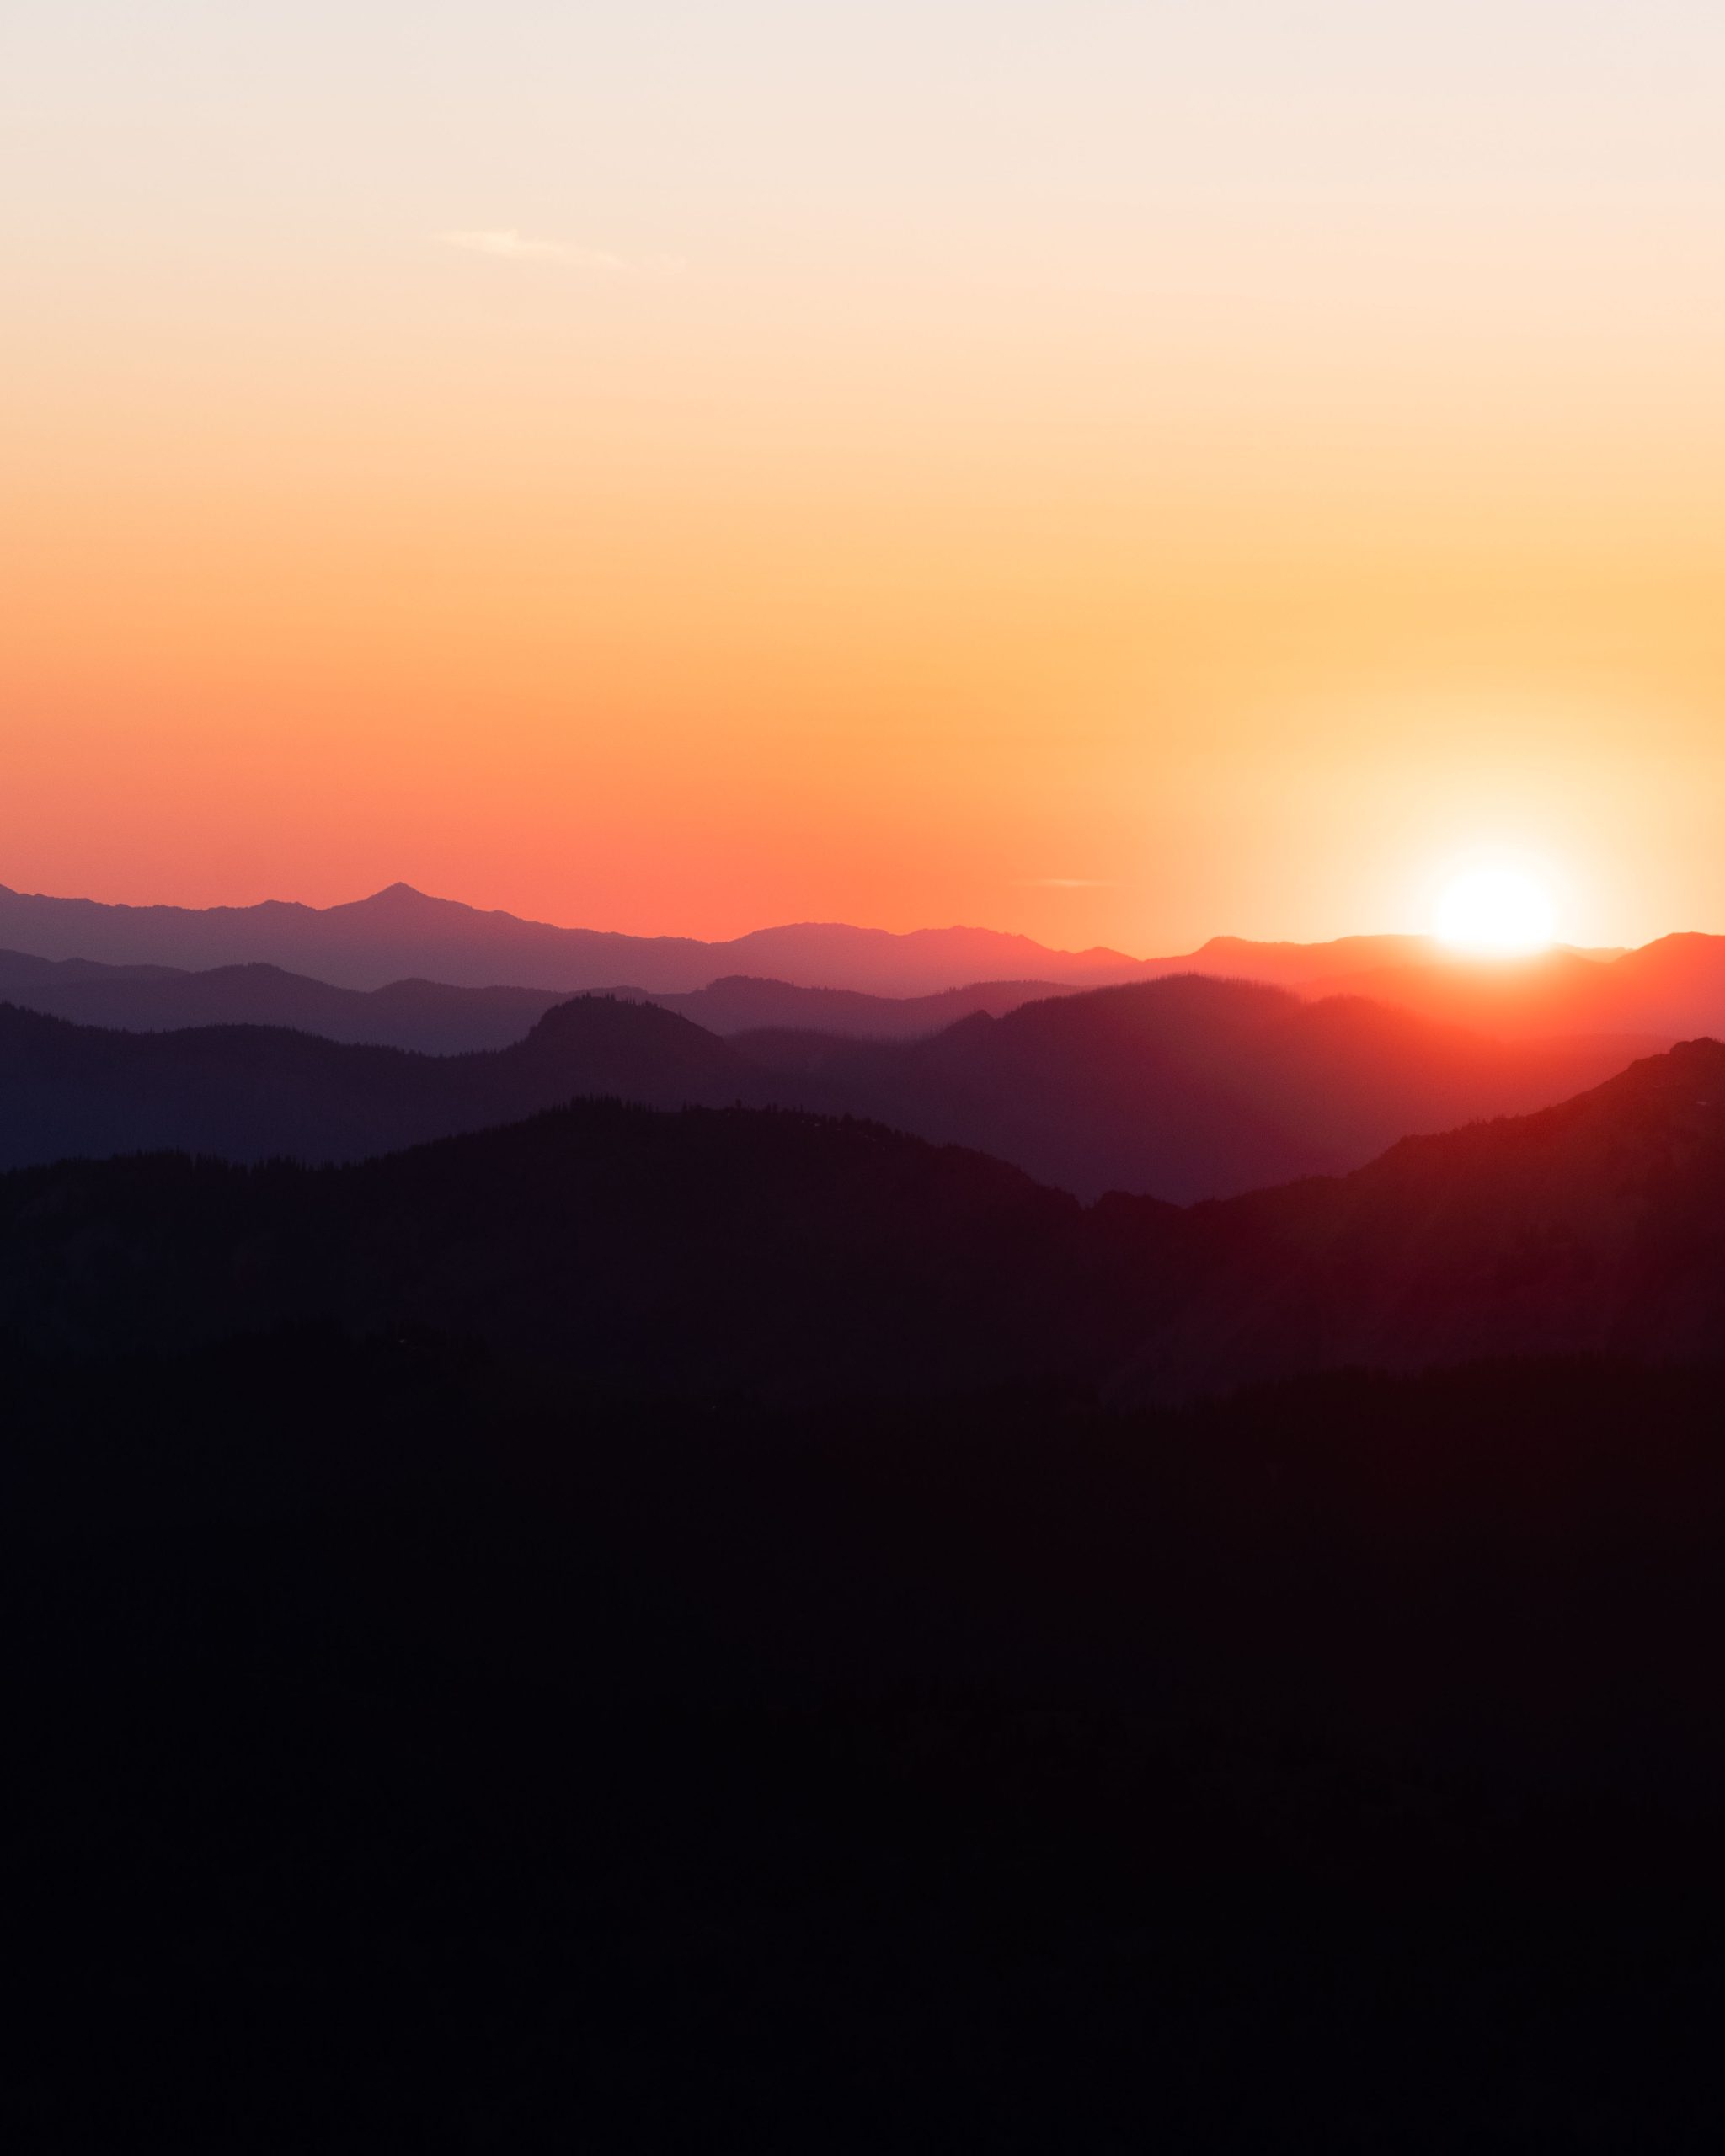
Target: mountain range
{"points": [[401, 934], [1674, 988], [437, 1019], [258, 1093], [782, 1255], [1184, 1088], [399, 938], [697, 1614]]}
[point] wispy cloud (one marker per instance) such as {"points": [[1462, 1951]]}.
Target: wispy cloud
{"points": [[509, 245], [1069, 883]]}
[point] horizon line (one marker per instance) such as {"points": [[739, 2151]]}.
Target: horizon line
{"points": [[1101, 952]]}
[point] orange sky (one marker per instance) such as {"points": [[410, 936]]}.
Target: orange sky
{"points": [[1080, 470]]}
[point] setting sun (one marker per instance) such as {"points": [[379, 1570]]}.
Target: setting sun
{"points": [[1500, 911]]}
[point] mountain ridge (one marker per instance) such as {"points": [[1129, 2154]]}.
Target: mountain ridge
{"points": [[437, 1019], [785, 1254], [1187, 1087], [401, 933], [1672, 989]]}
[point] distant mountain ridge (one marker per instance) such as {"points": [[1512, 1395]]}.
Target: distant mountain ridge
{"points": [[429, 1016], [1673, 988], [401, 934], [1670, 990]]}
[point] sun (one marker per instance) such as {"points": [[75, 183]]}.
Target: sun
{"points": [[1497, 912]]}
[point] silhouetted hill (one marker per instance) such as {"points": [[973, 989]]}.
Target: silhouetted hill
{"points": [[1670, 990], [783, 1253], [1310, 965], [1548, 992], [1338, 966], [739, 1004], [1596, 1226], [401, 934], [254, 1092], [768, 1253], [436, 1019], [425, 1016], [1187, 1087]]}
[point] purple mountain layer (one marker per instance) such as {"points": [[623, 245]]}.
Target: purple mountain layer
{"points": [[1670, 989], [401, 934]]}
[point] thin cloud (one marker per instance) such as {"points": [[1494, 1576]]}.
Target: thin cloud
{"points": [[509, 245]]}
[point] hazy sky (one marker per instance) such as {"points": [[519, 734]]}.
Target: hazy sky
{"points": [[1122, 472]]}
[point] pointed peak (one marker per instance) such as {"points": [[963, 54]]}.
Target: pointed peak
{"points": [[402, 897]]}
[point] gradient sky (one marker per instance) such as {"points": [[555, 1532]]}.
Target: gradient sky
{"points": [[1120, 471]]}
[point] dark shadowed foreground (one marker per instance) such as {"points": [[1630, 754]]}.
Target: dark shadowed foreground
{"points": [[404, 1755], [681, 1631]]}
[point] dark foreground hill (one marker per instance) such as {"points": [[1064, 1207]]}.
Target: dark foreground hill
{"points": [[629, 1632], [1597, 1226], [1182, 1088], [763, 1252], [793, 1256]]}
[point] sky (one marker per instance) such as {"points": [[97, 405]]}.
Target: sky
{"points": [[1115, 470]]}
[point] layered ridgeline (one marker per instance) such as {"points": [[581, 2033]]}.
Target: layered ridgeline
{"points": [[401, 934], [259, 1092], [1673, 989], [403, 941], [784, 1256], [1184, 1089], [1189, 1087], [436, 1019]]}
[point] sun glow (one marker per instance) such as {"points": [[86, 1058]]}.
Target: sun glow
{"points": [[1497, 912]]}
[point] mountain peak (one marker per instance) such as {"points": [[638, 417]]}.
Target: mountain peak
{"points": [[401, 894]]}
